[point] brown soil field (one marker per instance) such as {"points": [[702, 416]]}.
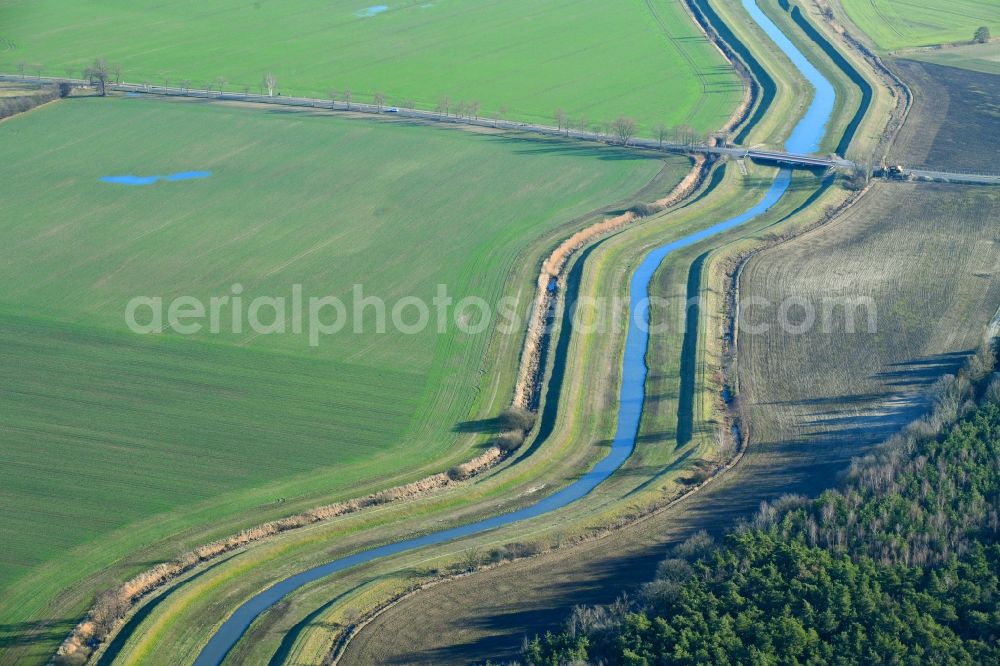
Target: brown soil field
{"points": [[954, 123], [919, 265]]}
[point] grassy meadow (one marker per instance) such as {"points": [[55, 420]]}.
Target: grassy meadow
{"points": [[983, 58], [114, 441], [900, 24], [647, 60]]}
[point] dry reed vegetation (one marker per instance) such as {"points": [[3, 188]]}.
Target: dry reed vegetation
{"points": [[554, 264], [113, 605]]}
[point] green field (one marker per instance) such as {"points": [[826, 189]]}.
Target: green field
{"points": [[113, 441], [900, 24], [647, 60], [983, 58]]}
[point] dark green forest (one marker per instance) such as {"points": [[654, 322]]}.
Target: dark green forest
{"points": [[899, 565]]}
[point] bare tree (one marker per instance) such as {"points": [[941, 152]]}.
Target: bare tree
{"points": [[582, 124], [98, 75], [560, 117], [270, 82], [661, 133], [444, 106], [246, 91], [332, 94], [347, 98], [21, 68], [686, 135], [116, 71], [38, 70], [107, 610], [69, 72], [500, 114], [185, 84], [474, 107], [471, 560], [624, 129], [379, 99], [221, 82]]}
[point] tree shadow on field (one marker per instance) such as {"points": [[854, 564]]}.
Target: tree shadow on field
{"points": [[536, 596], [923, 371], [658, 474], [508, 623], [570, 147], [689, 354], [36, 631], [490, 425], [288, 640], [550, 410]]}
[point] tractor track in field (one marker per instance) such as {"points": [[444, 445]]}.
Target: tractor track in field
{"points": [[679, 46]]}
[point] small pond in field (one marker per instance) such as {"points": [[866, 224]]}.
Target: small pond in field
{"points": [[374, 10], [149, 180]]}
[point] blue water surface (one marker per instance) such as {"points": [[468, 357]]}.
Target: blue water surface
{"points": [[187, 175], [130, 180], [805, 138], [149, 180], [374, 10]]}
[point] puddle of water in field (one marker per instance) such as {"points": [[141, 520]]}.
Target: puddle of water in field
{"points": [[187, 175], [149, 180], [374, 10], [130, 180]]}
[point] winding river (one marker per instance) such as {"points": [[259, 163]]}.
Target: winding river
{"points": [[805, 138]]}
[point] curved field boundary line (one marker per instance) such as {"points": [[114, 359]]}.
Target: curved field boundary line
{"points": [[85, 634], [680, 48], [885, 19], [528, 381]]}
